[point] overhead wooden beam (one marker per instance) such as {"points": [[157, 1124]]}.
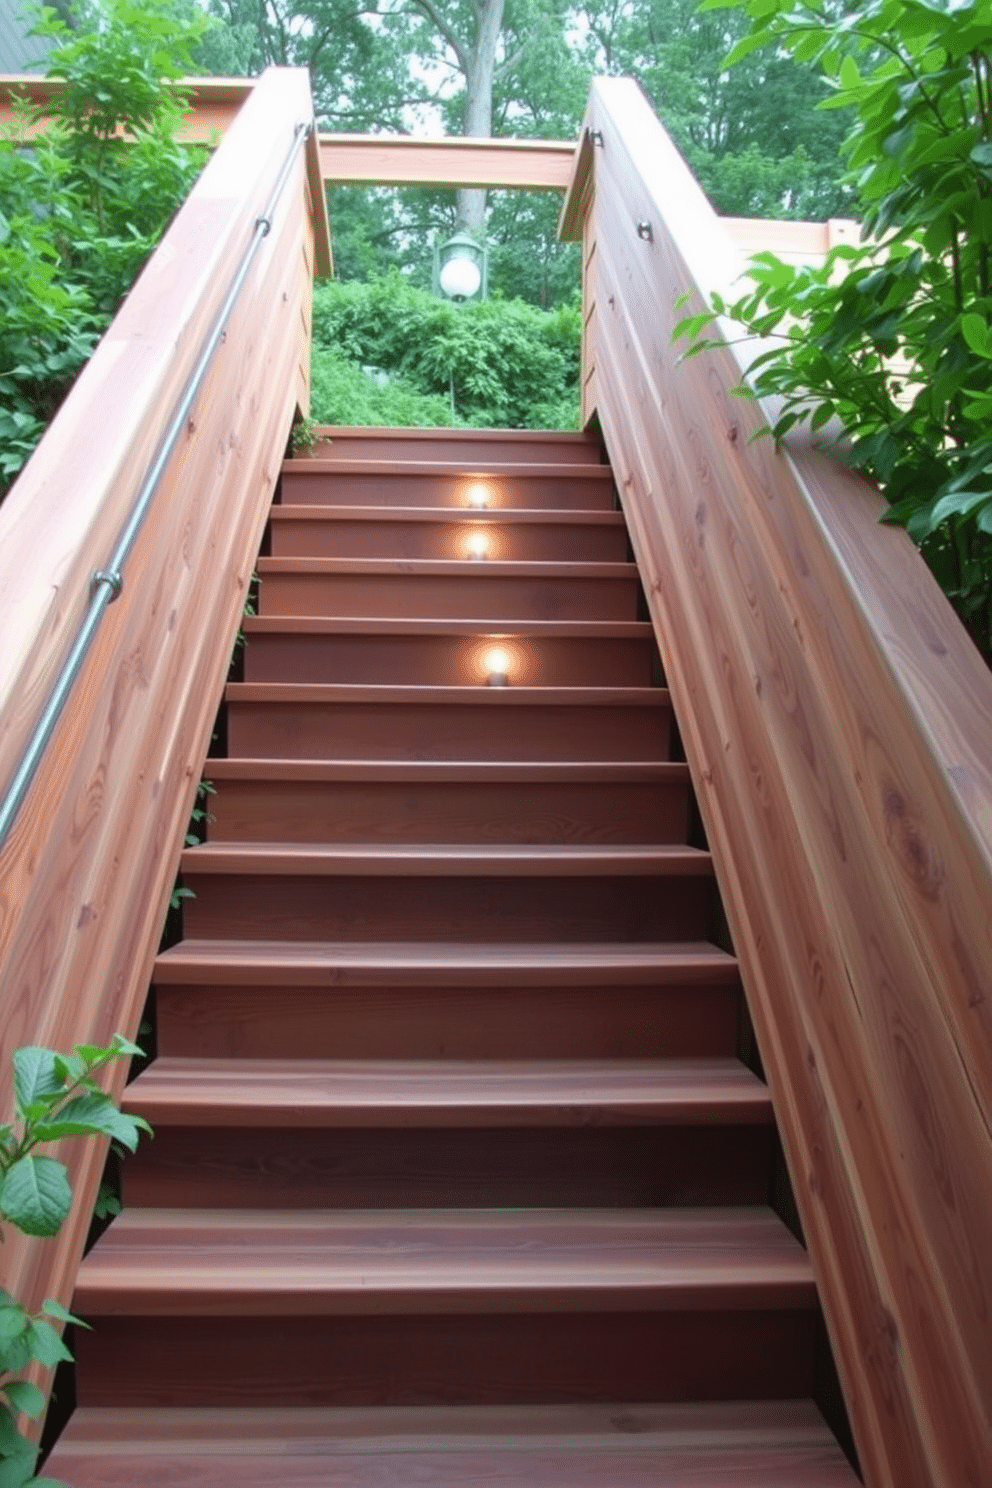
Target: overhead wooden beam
{"points": [[214, 102], [398, 160]]}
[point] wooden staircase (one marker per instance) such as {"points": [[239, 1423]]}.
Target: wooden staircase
{"points": [[457, 1176]]}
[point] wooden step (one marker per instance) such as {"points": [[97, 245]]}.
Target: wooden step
{"points": [[535, 653], [429, 533], [447, 1093], [462, 860], [470, 449], [164, 1262], [307, 721], [448, 1133], [314, 482], [767, 1444], [341, 1305], [484, 588], [424, 801], [462, 892], [422, 1001]]}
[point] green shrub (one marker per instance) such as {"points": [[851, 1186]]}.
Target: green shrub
{"points": [[498, 363], [84, 202], [342, 393], [895, 336], [56, 1096]]}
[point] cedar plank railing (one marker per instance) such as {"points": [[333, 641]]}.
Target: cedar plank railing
{"points": [[838, 724], [87, 869]]}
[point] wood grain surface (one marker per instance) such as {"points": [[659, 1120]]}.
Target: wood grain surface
{"points": [[399, 160], [295, 1263], [86, 873], [783, 1444], [838, 725]]}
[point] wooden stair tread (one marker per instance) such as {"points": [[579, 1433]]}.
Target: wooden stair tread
{"points": [[334, 1115], [508, 772], [326, 693], [335, 437], [616, 630], [495, 470], [467, 860], [358, 963], [446, 1093], [523, 515], [763, 1444], [444, 568], [268, 1263]]}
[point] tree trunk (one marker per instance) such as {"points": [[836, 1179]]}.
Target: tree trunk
{"points": [[478, 114]]}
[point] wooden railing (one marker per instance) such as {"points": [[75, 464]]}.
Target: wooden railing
{"points": [[838, 725], [86, 871]]}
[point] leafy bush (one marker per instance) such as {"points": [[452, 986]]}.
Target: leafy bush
{"points": [[56, 1096], [342, 393], [894, 336], [83, 203], [498, 363]]}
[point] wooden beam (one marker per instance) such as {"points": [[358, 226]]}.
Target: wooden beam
{"points": [[397, 160], [214, 103]]}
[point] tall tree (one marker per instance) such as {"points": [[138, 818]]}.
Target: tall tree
{"points": [[359, 68], [751, 133], [476, 49]]}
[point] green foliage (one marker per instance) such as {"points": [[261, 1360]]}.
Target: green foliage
{"points": [[84, 203], [343, 393], [751, 133], [893, 336], [55, 1096], [498, 363]]}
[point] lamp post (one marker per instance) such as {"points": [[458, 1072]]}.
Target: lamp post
{"points": [[460, 268]]}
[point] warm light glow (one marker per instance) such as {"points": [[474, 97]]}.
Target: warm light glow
{"points": [[497, 664], [478, 496], [478, 545]]}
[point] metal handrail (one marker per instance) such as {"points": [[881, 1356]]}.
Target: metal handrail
{"points": [[108, 582]]}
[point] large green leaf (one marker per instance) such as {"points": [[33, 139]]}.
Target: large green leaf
{"points": [[17, 1471], [25, 1397], [35, 1195], [46, 1345], [35, 1075], [91, 1115]]}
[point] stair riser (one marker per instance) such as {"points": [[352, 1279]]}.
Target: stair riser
{"points": [[441, 1022], [507, 492], [477, 731], [387, 811], [519, 542], [414, 596], [473, 451], [274, 907], [197, 1167], [518, 1359], [445, 660]]}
